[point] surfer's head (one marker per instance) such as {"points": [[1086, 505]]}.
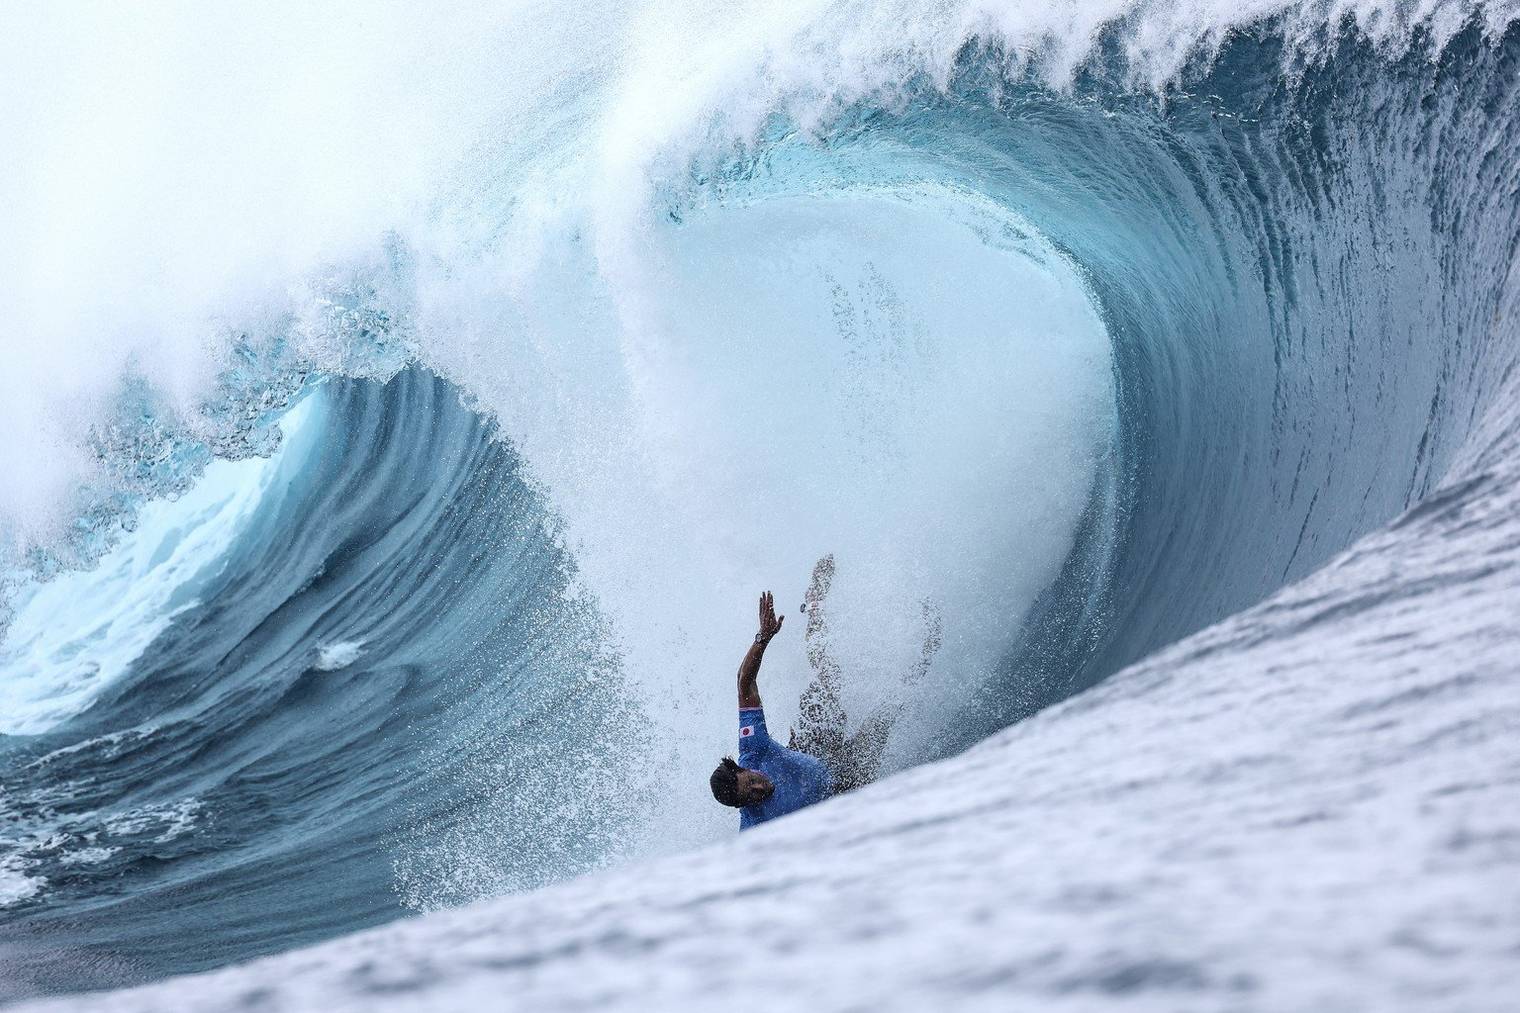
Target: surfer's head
{"points": [[739, 786]]}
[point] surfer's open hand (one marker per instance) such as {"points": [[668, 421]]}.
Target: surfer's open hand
{"points": [[770, 625]]}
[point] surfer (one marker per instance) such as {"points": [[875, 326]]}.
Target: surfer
{"points": [[770, 780]]}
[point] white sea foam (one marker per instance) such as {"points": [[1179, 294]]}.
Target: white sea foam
{"points": [[108, 744], [15, 884], [42, 833], [170, 819], [341, 654], [87, 856]]}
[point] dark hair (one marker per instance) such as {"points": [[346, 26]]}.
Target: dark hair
{"points": [[725, 782]]}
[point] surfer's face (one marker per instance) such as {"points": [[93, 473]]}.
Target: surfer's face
{"points": [[754, 787]]}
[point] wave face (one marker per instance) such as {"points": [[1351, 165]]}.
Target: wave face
{"points": [[423, 579], [333, 715]]}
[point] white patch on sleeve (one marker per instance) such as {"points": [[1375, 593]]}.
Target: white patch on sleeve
{"points": [[746, 731]]}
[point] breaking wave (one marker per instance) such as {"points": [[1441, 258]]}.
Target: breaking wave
{"points": [[386, 537]]}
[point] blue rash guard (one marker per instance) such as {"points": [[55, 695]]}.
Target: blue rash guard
{"points": [[800, 779]]}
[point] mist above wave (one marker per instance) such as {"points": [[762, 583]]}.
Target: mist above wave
{"points": [[183, 178]]}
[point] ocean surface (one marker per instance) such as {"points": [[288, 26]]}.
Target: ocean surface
{"points": [[402, 408]]}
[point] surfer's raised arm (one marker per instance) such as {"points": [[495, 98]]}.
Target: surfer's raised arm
{"points": [[749, 668]]}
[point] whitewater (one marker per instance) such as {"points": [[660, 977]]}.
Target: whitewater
{"points": [[402, 407]]}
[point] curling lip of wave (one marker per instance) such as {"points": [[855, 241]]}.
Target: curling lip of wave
{"points": [[70, 637], [646, 89]]}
